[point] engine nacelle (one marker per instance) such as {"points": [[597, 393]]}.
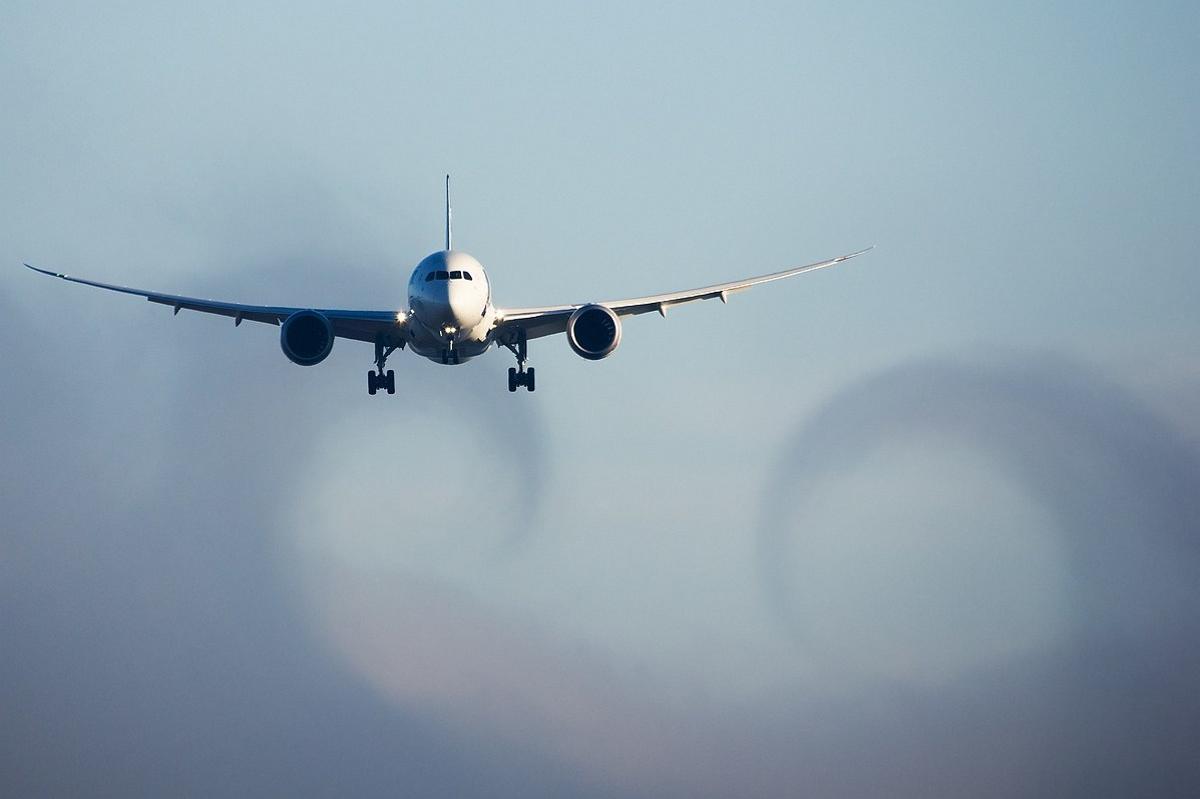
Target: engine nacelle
{"points": [[594, 332], [306, 337]]}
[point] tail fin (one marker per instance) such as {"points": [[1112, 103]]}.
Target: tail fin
{"points": [[449, 240]]}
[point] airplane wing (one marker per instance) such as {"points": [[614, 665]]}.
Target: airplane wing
{"points": [[358, 325], [538, 322]]}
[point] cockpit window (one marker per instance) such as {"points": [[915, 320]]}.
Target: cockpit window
{"points": [[443, 275], [467, 276], [456, 275], [430, 276]]}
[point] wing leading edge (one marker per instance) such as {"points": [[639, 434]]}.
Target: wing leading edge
{"points": [[358, 325], [538, 322]]}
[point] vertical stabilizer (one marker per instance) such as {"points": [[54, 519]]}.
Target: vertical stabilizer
{"points": [[449, 239]]}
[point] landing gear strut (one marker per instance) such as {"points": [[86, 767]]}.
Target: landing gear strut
{"points": [[377, 378], [520, 376], [450, 355]]}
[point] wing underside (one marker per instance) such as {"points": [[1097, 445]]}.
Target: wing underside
{"points": [[358, 325], [547, 321]]}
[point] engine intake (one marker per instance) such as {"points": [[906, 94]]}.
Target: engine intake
{"points": [[594, 332], [306, 337]]}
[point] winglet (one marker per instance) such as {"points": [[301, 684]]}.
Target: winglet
{"points": [[449, 240]]}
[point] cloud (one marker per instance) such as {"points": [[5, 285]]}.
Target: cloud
{"points": [[1105, 706], [1117, 480]]}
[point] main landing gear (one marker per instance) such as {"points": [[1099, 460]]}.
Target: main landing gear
{"points": [[519, 376], [377, 378], [524, 377], [376, 381]]}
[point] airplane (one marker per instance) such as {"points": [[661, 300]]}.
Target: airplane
{"points": [[451, 318]]}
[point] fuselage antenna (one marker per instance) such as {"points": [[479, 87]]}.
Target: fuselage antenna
{"points": [[449, 239]]}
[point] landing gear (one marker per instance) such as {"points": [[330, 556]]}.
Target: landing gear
{"points": [[450, 354], [377, 378], [525, 377], [520, 376]]}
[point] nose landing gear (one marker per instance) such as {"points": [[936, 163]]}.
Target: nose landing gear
{"points": [[449, 353]]}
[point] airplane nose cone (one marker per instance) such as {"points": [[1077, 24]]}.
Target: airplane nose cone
{"points": [[449, 289], [463, 306], [460, 309]]}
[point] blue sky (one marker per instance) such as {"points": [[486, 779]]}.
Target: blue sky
{"points": [[684, 569]]}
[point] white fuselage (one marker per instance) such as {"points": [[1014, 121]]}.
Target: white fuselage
{"points": [[450, 305]]}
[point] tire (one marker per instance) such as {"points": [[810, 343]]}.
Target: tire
{"points": [[512, 379], [372, 386], [391, 382], [529, 378]]}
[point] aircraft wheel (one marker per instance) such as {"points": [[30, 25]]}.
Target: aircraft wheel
{"points": [[512, 379], [391, 382], [372, 386], [529, 378]]}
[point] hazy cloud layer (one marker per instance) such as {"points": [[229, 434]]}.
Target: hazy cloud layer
{"points": [[154, 641]]}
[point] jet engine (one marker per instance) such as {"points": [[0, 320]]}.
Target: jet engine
{"points": [[306, 337], [594, 332]]}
